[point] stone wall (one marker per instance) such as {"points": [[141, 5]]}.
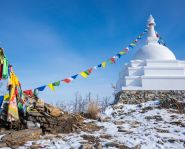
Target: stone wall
{"points": [[139, 96]]}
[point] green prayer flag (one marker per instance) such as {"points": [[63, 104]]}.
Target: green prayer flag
{"points": [[5, 68], [56, 83]]}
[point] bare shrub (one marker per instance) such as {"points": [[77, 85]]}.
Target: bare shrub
{"points": [[93, 110]]}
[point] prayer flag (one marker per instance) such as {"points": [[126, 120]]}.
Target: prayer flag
{"points": [[75, 76], [1, 100], [95, 67], [118, 55], [126, 49], [57, 83], [68, 80], [89, 71], [28, 92], [36, 92], [84, 74], [41, 88], [6, 97], [103, 64], [112, 60], [135, 40], [139, 37], [5, 68], [115, 57], [133, 44], [122, 52], [12, 109], [130, 46], [100, 65], [51, 86]]}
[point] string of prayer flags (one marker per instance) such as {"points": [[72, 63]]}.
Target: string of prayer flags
{"points": [[86, 73], [51, 86]]}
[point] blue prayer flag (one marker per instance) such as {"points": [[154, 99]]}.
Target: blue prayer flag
{"points": [[41, 88], [1, 100], [99, 65], [75, 76]]}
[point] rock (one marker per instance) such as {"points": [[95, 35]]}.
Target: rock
{"points": [[86, 146], [125, 131], [162, 130], [171, 140], [137, 147], [112, 144], [53, 111], [31, 125], [106, 136], [98, 146], [105, 119], [3, 144], [118, 122], [91, 138], [122, 146], [18, 138]]}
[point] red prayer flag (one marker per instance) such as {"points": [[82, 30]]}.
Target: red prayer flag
{"points": [[67, 80], [112, 60], [28, 92], [89, 70]]}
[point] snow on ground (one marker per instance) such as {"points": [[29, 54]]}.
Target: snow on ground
{"points": [[144, 125]]}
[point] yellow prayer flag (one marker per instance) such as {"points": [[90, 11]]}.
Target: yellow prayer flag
{"points": [[6, 97], [51, 86], [104, 64], [122, 52], [83, 74]]}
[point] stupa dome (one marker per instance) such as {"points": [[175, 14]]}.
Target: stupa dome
{"points": [[154, 51]]}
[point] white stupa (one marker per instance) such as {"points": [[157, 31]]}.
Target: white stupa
{"points": [[154, 67]]}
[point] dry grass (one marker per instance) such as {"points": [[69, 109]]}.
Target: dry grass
{"points": [[93, 110]]}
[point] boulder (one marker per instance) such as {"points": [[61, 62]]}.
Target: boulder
{"points": [[18, 138]]}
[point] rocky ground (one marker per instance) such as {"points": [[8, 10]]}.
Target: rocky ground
{"points": [[124, 126]]}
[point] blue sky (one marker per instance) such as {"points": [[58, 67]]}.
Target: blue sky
{"points": [[49, 40]]}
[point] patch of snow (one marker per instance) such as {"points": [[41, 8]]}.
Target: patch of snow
{"points": [[152, 129]]}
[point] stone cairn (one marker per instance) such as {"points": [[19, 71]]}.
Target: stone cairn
{"points": [[45, 116]]}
